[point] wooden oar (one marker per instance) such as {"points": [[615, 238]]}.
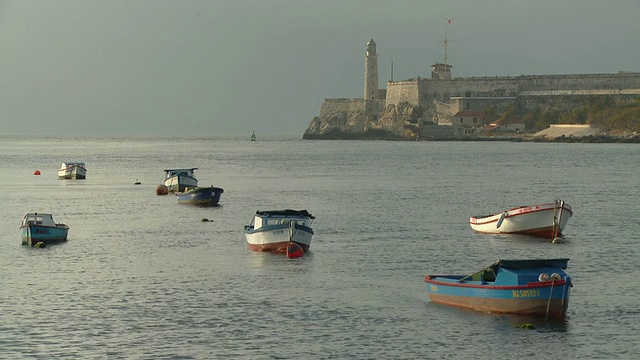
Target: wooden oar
{"points": [[502, 217]]}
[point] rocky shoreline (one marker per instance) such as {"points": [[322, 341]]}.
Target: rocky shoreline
{"points": [[600, 139], [378, 134]]}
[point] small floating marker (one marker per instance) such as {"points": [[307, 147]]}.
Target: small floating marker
{"points": [[39, 244], [204, 220], [37, 172], [137, 182], [557, 240]]}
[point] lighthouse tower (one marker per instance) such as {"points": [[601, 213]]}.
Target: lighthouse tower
{"points": [[371, 72]]}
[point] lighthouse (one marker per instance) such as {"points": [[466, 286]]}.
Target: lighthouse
{"points": [[371, 72]]}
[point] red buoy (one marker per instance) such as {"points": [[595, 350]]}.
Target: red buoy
{"points": [[37, 172]]}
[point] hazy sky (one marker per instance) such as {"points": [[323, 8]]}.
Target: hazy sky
{"points": [[227, 67]]}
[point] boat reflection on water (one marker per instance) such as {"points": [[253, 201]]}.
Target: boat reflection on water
{"points": [[271, 261]]}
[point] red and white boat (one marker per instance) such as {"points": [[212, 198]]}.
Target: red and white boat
{"points": [[276, 230], [545, 220]]}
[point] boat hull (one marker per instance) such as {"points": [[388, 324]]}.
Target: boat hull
{"points": [[72, 172], [201, 196], [548, 299], [276, 238], [536, 220], [47, 235]]}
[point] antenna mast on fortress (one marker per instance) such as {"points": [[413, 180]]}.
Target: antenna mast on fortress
{"points": [[449, 21], [438, 70]]}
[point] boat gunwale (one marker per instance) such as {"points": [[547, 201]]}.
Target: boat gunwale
{"points": [[495, 217], [539, 284], [56, 226], [200, 189]]}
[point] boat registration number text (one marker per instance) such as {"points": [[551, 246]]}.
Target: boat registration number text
{"points": [[277, 232], [528, 208], [526, 293]]}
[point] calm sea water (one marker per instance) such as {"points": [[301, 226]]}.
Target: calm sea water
{"points": [[142, 277]]}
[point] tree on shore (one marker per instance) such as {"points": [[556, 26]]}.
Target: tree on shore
{"points": [[510, 115], [605, 113], [616, 117], [490, 113]]}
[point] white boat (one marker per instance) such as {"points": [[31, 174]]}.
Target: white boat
{"points": [[72, 170], [274, 230], [545, 220], [177, 180]]}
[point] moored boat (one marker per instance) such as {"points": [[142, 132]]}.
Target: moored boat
{"points": [[545, 220], [534, 287], [177, 180], [273, 230], [41, 228], [202, 196], [72, 170]]}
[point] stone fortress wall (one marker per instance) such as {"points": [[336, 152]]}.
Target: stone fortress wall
{"points": [[337, 106], [421, 92], [478, 93], [409, 91]]}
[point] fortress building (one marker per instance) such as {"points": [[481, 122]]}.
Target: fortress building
{"points": [[441, 104]]}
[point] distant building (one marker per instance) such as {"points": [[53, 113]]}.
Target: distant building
{"points": [[468, 118]]}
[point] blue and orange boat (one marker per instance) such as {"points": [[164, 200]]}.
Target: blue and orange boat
{"points": [[39, 229], [534, 287], [201, 196]]}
